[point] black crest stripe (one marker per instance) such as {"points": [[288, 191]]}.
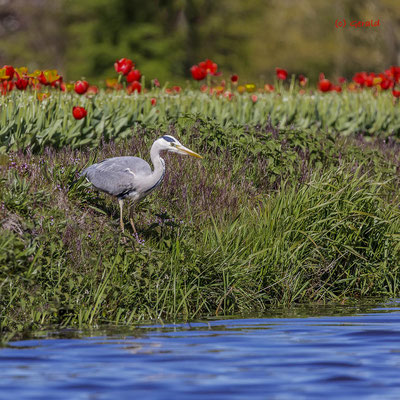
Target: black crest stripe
{"points": [[168, 139]]}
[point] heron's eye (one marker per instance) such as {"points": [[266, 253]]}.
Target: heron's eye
{"points": [[172, 144]]}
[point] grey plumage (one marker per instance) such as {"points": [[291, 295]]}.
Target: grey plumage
{"points": [[115, 175], [133, 177]]}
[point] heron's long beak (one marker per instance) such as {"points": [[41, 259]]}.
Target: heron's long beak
{"points": [[188, 151]]}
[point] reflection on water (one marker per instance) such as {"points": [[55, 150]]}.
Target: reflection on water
{"points": [[303, 353]]}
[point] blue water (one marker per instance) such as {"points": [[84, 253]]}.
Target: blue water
{"points": [[349, 353]]}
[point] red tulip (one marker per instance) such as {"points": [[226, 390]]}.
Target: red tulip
{"points": [[134, 86], [7, 86], [234, 78], [386, 84], [156, 82], [209, 66], [360, 78], [177, 89], [281, 73], [21, 83], [336, 88], [134, 75], [81, 87], [79, 112], [302, 80], [254, 98], [153, 101], [341, 80], [198, 73], [369, 80], [324, 85], [92, 90], [9, 71], [123, 66], [228, 95], [269, 88], [394, 73], [396, 93], [42, 79]]}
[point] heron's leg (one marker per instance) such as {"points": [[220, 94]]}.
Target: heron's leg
{"points": [[121, 222], [131, 219]]}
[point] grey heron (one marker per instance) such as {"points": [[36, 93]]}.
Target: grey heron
{"points": [[132, 177]]}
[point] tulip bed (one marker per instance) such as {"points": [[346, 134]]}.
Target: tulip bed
{"points": [[39, 109], [26, 122]]}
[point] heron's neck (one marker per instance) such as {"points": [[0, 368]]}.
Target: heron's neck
{"points": [[158, 163]]}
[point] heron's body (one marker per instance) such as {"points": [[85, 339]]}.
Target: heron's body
{"points": [[125, 177], [132, 177]]}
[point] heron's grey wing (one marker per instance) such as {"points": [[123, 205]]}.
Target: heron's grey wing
{"points": [[117, 176]]}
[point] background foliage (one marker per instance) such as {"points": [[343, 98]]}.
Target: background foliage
{"points": [[165, 37]]}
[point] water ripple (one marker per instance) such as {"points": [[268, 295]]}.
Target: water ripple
{"points": [[333, 356]]}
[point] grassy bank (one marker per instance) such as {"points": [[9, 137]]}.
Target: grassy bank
{"points": [[267, 217]]}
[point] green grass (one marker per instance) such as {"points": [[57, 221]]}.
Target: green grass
{"points": [[268, 217]]}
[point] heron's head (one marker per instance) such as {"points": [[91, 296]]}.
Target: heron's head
{"points": [[169, 143]]}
